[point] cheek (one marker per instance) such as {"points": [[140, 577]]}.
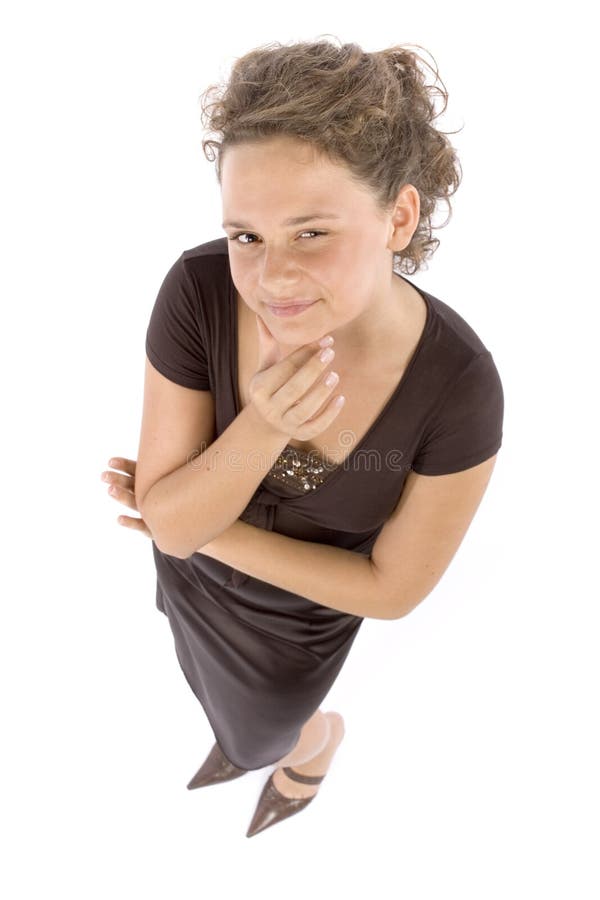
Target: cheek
{"points": [[246, 277], [346, 264], [241, 279]]}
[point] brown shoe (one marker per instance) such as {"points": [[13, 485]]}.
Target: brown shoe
{"points": [[272, 806], [215, 769]]}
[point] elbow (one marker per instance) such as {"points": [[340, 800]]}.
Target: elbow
{"points": [[389, 609], [406, 604], [142, 507], [401, 605], [151, 518], [164, 541], [398, 612], [394, 604], [162, 529], [395, 611], [167, 547]]}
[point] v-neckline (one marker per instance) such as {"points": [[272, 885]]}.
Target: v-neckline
{"points": [[333, 469]]}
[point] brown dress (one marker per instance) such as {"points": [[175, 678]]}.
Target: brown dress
{"points": [[260, 659]]}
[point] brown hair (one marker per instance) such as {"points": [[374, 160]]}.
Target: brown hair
{"points": [[371, 111]]}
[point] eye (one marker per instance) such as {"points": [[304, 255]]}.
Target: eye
{"points": [[249, 234]]}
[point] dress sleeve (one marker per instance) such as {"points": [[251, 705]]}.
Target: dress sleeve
{"points": [[467, 427], [175, 339]]}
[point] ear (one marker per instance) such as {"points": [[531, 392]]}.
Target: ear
{"points": [[405, 214]]}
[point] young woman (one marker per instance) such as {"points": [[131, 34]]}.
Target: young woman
{"points": [[280, 518]]}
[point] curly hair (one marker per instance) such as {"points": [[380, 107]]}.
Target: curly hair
{"points": [[372, 112]]}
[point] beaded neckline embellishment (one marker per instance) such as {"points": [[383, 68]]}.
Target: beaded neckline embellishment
{"points": [[304, 470]]}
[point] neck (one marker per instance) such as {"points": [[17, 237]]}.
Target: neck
{"points": [[379, 326]]}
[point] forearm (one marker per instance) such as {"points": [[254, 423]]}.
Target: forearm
{"points": [[334, 577], [188, 507]]}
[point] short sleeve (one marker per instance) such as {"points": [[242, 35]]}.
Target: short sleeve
{"points": [[467, 427], [175, 340]]}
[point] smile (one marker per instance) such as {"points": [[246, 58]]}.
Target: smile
{"points": [[292, 309]]}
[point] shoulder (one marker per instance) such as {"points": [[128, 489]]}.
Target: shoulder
{"points": [[451, 347], [461, 399], [209, 258], [451, 333], [204, 274], [188, 312]]}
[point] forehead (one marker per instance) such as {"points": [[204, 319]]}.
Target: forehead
{"points": [[282, 173]]}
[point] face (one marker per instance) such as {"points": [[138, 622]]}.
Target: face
{"points": [[339, 259]]}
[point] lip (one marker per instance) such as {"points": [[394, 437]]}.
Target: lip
{"points": [[284, 303], [290, 309]]}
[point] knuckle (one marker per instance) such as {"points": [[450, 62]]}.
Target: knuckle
{"points": [[293, 416], [258, 396], [255, 384]]}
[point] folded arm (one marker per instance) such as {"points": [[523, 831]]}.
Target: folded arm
{"points": [[411, 553], [334, 577]]}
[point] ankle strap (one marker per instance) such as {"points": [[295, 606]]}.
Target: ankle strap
{"points": [[304, 779]]}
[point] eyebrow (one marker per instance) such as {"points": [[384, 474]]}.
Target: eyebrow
{"points": [[294, 220]]}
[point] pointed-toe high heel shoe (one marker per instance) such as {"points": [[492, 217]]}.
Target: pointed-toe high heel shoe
{"points": [[215, 769], [273, 806]]}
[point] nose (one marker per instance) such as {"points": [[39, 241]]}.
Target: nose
{"points": [[278, 273]]}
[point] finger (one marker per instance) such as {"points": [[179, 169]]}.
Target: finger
{"points": [[293, 393], [122, 463], [127, 498], [134, 524], [288, 365], [321, 420], [123, 481]]}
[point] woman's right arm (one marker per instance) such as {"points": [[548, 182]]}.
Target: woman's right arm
{"points": [[189, 487]]}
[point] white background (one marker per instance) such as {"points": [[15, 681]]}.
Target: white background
{"points": [[469, 766]]}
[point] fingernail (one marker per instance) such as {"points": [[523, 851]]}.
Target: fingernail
{"points": [[326, 341], [113, 489]]}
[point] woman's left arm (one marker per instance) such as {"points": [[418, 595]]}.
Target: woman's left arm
{"points": [[334, 577], [412, 551]]}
